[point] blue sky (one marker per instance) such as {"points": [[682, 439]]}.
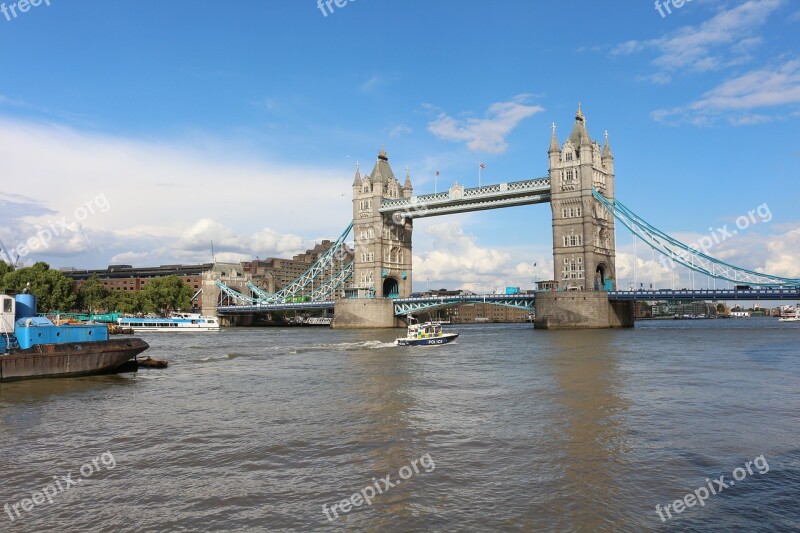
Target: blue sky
{"points": [[139, 131]]}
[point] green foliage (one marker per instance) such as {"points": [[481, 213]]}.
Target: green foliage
{"points": [[53, 291], [126, 302], [5, 268], [93, 295], [166, 294], [52, 288]]}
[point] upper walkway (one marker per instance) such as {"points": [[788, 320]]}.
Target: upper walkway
{"points": [[462, 200]]}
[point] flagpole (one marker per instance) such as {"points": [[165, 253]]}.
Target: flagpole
{"points": [[435, 181], [480, 168]]}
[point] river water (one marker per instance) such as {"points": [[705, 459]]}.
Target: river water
{"points": [[510, 429]]}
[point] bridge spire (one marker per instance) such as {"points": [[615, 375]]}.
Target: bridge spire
{"points": [[554, 141], [408, 190], [579, 135], [606, 147], [357, 180]]}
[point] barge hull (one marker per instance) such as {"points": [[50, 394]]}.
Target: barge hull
{"points": [[71, 359]]}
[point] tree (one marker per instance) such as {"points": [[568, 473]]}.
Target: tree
{"points": [[5, 268], [167, 294], [93, 294], [52, 288], [125, 302]]}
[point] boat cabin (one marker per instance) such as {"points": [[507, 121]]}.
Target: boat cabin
{"points": [[424, 331], [7, 314]]}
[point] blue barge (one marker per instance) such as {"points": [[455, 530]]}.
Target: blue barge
{"points": [[34, 347]]}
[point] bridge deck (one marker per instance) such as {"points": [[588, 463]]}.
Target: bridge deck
{"points": [[727, 294], [404, 306], [268, 308]]}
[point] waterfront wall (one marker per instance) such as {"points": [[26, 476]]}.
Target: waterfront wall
{"points": [[364, 313], [581, 310]]}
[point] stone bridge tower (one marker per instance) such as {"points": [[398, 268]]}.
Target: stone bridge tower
{"points": [[382, 242], [583, 237], [583, 231]]}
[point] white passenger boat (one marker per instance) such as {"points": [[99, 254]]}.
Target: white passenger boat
{"points": [[789, 314], [425, 334], [175, 322]]}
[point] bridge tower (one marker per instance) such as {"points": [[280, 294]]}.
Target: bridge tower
{"points": [[583, 231], [383, 243], [583, 237], [382, 250]]}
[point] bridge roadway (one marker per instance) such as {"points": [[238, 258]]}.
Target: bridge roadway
{"points": [[268, 308], [405, 306], [726, 294]]}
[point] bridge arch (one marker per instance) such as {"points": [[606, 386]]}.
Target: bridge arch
{"points": [[391, 287], [601, 276]]}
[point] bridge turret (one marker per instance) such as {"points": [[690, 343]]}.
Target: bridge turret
{"points": [[408, 190], [357, 179], [608, 157], [555, 151]]}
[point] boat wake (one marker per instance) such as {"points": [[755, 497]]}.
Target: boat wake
{"points": [[212, 359], [345, 346]]}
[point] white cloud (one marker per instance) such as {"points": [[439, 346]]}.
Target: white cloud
{"points": [[456, 260], [486, 134], [726, 39], [763, 88], [374, 82], [265, 243], [783, 253], [400, 130], [164, 197]]}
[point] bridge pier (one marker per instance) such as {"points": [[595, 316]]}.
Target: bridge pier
{"points": [[243, 320], [581, 310], [365, 313]]}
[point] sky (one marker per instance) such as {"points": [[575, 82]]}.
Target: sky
{"points": [[139, 132]]}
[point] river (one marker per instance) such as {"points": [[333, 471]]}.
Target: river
{"points": [[510, 429]]}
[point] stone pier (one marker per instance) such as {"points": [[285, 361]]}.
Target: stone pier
{"points": [[365, 313], [581, 310]]}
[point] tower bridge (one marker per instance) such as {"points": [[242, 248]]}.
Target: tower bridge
{"points": [[374, 290]]}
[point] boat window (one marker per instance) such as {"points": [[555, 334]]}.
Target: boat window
{"points": [[7, 305]]}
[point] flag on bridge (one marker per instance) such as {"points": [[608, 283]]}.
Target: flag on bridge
{"points": [[482, 166]]}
